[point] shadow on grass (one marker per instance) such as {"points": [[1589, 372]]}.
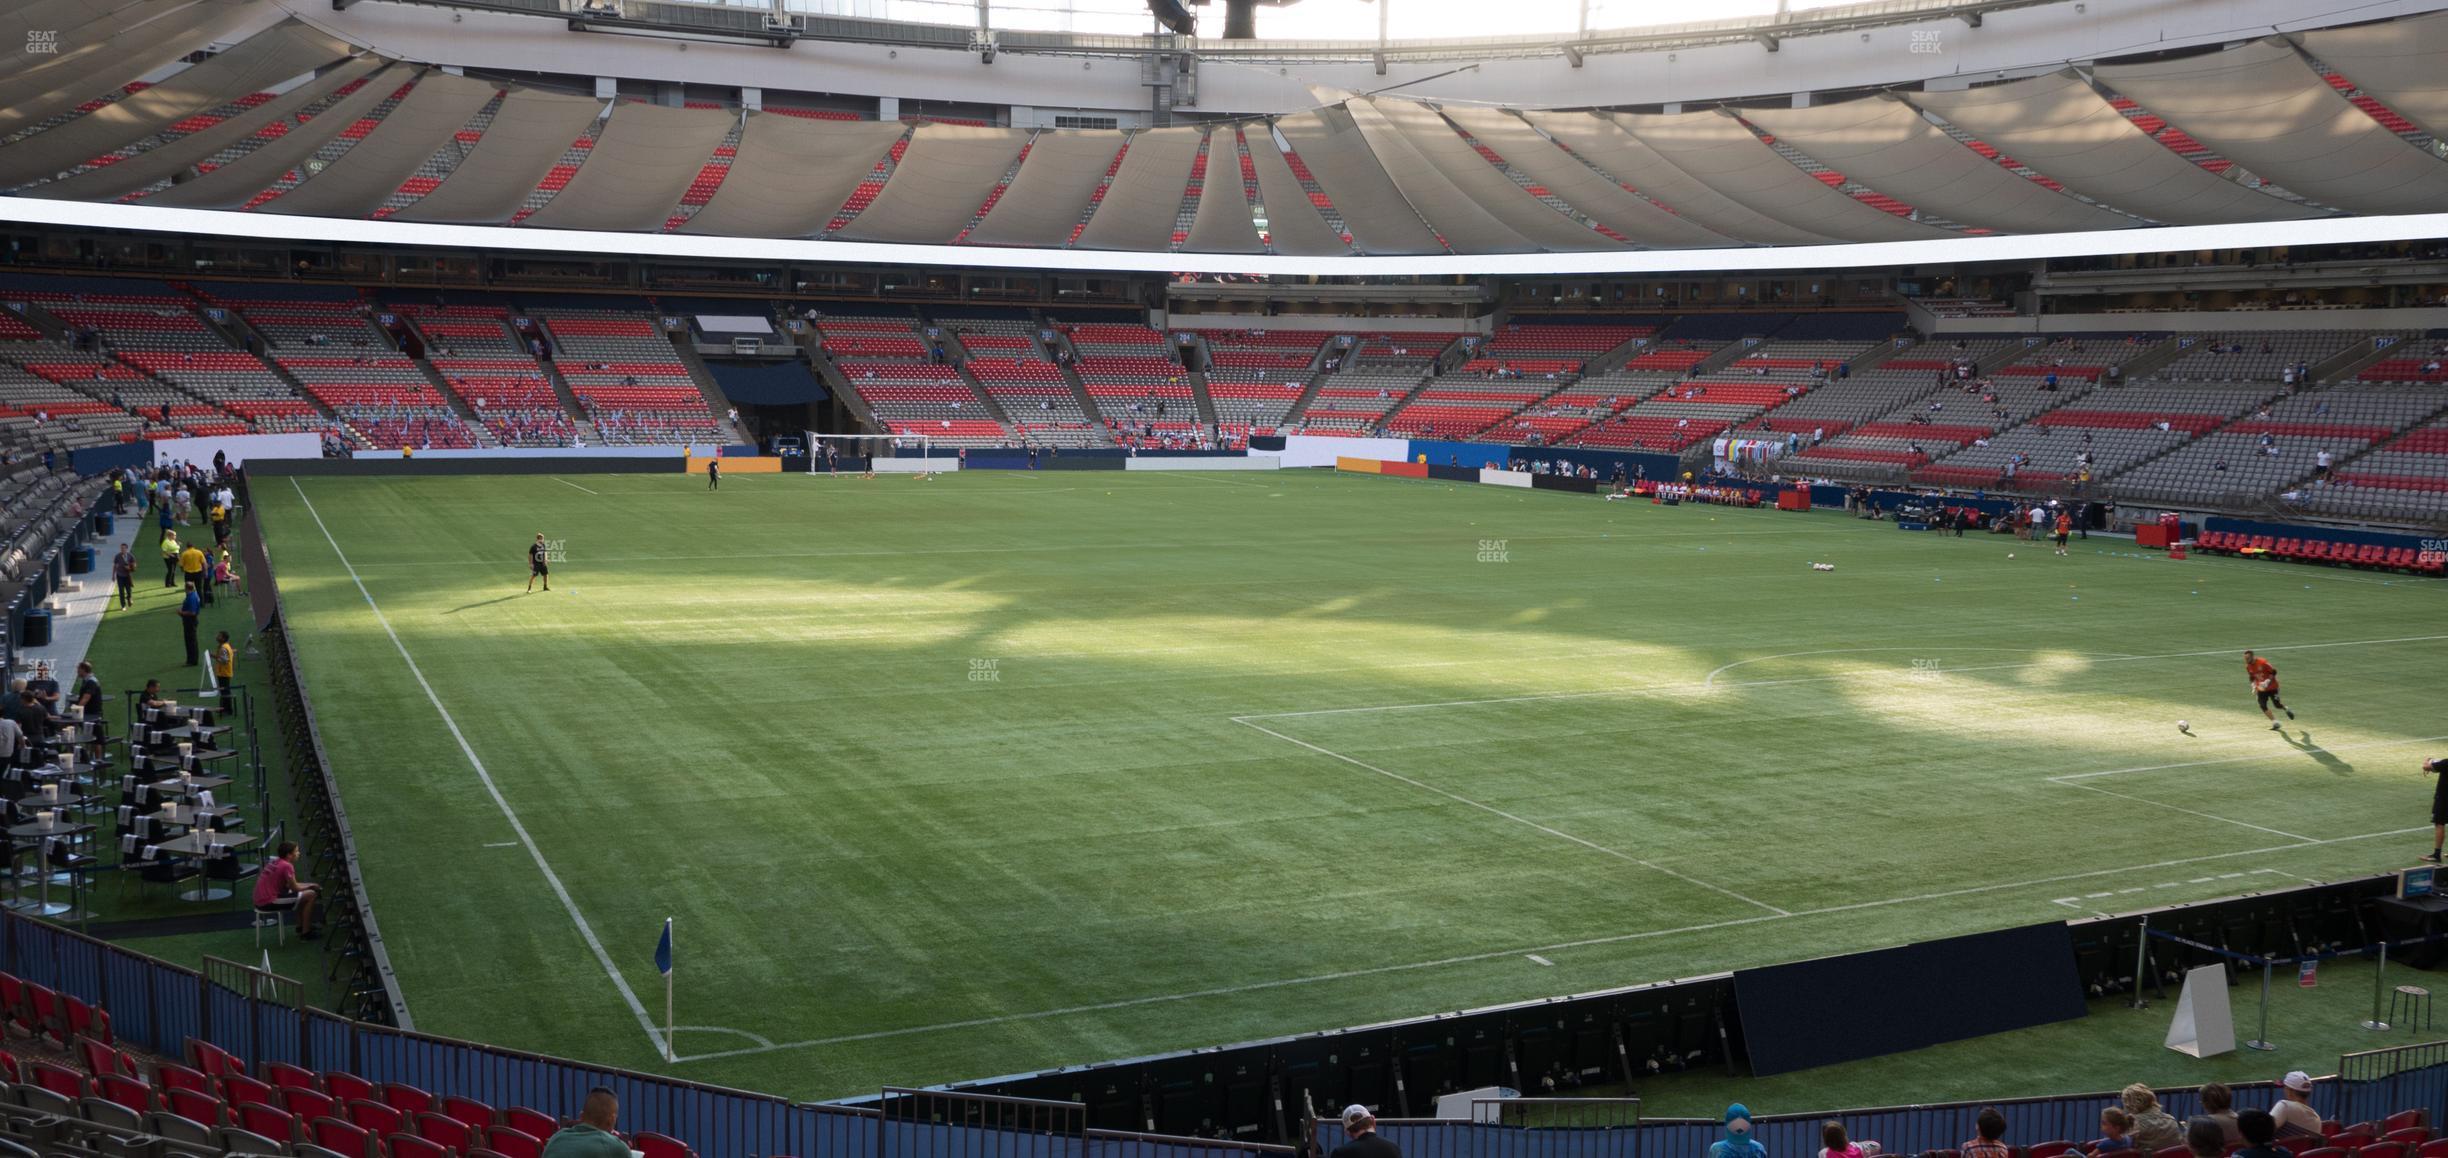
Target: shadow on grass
{"points": [[2322, 756], [483, 603]]}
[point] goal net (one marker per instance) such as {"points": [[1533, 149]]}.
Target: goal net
{"points": [[881, 453]]}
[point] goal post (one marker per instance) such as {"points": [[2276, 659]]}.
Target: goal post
{"points": [[883, 453]]}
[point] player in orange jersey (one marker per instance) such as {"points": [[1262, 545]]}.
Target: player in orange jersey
{"points": [[2264, 679]]}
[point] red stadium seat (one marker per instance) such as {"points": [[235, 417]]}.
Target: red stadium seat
{"points": [[448, 1133], [533, 1123], [513, 1143], [341, 1138], [125, 1091], [193, 1105], [411, 1146], [654, 1145], [289, 1076], [240, 1090], [375, 1118], [476, 1114], [347, 1087], [270, 1121], [407, 1098], [2403, 1120], [308, 1104], [58, 1079]]}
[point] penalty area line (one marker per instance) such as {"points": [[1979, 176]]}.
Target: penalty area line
{"points": [[574, 486], [551, 878], [1522, 820]]}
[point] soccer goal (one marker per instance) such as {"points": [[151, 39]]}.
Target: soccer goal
{"points": [[881, 453]]}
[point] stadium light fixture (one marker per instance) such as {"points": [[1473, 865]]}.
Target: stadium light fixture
{"points": [[1572, 55]]}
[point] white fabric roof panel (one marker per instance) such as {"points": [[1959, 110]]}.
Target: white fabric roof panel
{"points": [[1719, 151], [2059, 125], [284, 52], [1145, 194], [1380, 220], [96, 58], [642, 162], [529, 133], [2265, 109], [1890, 147], [943, 177], [234, 184], [1222, 223], [1046, 198], [69, 18], [1294, 223], [162, 162], [2403, 62], [1579, 185], [364, 177], [1471, 174], [1466, 226], [1627, 158], [791, 174]]}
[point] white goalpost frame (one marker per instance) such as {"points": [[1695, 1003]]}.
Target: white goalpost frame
{"points": [[879, 450]]}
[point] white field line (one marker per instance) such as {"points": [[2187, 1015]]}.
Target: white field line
{"points": [[1138, 545], [2073, 777], [551, 878], [574, 486], [1522, 820], [2181, 808], [1703, 684], [2076, 903], [1470, 958], [1711, 679]]}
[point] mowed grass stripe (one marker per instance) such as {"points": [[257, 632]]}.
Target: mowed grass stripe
{"points": [[787, 750]]}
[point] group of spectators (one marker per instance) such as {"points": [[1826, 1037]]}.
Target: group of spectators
{"points": [[2136, 1125]]}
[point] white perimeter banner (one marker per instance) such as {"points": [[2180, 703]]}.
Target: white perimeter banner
{"points": [[1253, 462], [1321, 450], [239, 448], [1504, 478]]}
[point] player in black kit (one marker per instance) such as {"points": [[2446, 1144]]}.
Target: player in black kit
{"points": [[535, 564]]}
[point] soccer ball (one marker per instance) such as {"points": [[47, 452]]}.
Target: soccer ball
{"points": [[2183, 726], [2010, 554]]}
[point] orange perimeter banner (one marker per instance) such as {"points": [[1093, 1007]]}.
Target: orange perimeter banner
{"points": [[1360, 465], [760, 464]]}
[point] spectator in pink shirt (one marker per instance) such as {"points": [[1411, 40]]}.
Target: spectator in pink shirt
{"points": [[278, 887]]}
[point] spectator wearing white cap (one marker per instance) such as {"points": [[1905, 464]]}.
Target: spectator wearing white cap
{"points": [[1365, 1142], [2294, 1112]]}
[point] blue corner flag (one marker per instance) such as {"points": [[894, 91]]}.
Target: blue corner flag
{"points": [[663, 960]]}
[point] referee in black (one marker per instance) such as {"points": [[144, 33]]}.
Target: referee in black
{"points": [[1365, 1142], [2438, 766], [713, 474]]}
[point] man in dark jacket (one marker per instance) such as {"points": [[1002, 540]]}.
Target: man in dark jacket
{"points": [[1365, 1141]]}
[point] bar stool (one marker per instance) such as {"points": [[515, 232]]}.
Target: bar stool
{"points": [[2416, 1000]]}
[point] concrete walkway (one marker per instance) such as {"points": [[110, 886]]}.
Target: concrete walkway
{"points": [[77, 614]]}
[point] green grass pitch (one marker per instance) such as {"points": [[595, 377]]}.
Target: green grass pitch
{"points": [[995, 772]]}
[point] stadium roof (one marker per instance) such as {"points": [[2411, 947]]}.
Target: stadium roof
{"points": [[289, 121]]}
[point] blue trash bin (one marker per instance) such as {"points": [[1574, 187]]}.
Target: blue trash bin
{"points": [[104, 522], [81, 560]]}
